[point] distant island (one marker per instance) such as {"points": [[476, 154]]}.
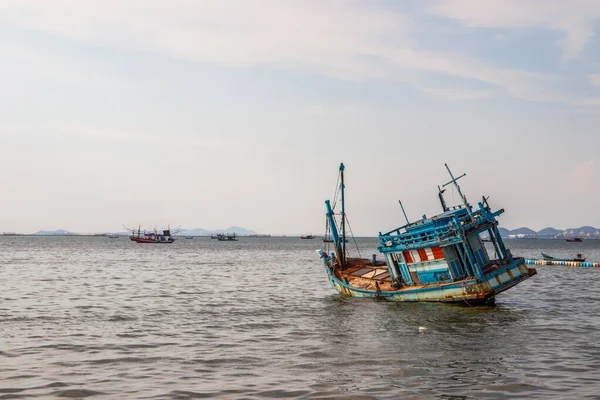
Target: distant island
{"points": [[586, 232], [58, 232], [207, 232], [187, 232]]}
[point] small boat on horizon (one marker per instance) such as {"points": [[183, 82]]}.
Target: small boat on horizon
{"points": [[578, 258], [227, 237], [575, 239], [329, 239], [307, 237], [436, 259]]}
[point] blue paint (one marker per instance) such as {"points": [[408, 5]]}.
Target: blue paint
{"points": [[426, 274]]}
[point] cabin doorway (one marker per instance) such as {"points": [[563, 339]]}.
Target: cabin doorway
{"points": [[455, 264]]}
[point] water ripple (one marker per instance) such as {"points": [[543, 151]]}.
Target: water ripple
{"points": [[256, 319]]}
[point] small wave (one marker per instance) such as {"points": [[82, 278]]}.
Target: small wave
{"points": [[76, 393]]}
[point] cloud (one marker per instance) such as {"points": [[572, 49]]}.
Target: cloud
{"points": [[594, 79], [574, 18], [350, 40], [460, 94]]}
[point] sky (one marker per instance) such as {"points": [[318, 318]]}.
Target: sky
{"points": [[208, 114]]}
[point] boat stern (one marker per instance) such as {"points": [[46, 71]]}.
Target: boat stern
{"points": [[506, 276]]}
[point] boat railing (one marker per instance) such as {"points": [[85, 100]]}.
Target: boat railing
{"points": [[416, 239]]}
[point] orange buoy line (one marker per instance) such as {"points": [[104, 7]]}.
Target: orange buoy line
{"points": [[585, 264]]}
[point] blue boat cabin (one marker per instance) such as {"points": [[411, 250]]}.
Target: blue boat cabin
{"points": [[445, 248]]}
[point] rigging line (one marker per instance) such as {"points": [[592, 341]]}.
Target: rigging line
{"points": [[337, 191], [327, 234], [353, 238]]}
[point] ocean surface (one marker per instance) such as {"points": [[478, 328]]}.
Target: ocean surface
{"points": [[110, 319]]}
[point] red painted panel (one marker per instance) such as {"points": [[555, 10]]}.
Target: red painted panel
{"points": [[438, 253], [407, 257], [423, 254]]}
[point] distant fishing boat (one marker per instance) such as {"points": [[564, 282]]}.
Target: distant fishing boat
{"points": [[307, 237], [189, 237], [227, 237], [214, 236], [437, 259], [575, 239], [164, 237], [113, 236], [578, 258], [329, 239]]}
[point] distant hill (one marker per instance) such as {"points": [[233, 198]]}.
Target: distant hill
{"points": [[56, 232], [523, 231], [587, 232], [206, 232], [504, 232], [549, 233]]}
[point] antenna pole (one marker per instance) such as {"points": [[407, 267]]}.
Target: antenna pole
{"points": [[462, 196], [403, 212], [342, 187]]}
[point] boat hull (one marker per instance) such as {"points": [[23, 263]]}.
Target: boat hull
{"points": [[470, 292], [154, 241], [550, 258]]}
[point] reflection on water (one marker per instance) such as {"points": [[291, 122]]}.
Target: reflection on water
{"points": [[256, 318]]}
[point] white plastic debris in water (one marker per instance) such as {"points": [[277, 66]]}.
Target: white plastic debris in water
{"points": [[422, 329]]}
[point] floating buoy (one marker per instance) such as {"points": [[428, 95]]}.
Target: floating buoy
{"points": [[422, 329]]}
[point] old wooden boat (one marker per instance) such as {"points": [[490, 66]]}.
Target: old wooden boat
{"points": [[578, 258], [436, 259]]}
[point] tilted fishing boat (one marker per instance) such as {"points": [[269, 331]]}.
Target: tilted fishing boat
{"points": [[577, 258], [438, 259]]}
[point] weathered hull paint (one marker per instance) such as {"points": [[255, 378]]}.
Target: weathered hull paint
{"points": [[470, 291], [563, 263]]}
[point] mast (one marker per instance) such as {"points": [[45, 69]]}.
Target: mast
{"points": [[403, 212], [462, 196], [442, 200], [343, 224]]}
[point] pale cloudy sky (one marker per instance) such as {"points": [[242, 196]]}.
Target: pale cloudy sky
{"points": [[217, 113]]}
